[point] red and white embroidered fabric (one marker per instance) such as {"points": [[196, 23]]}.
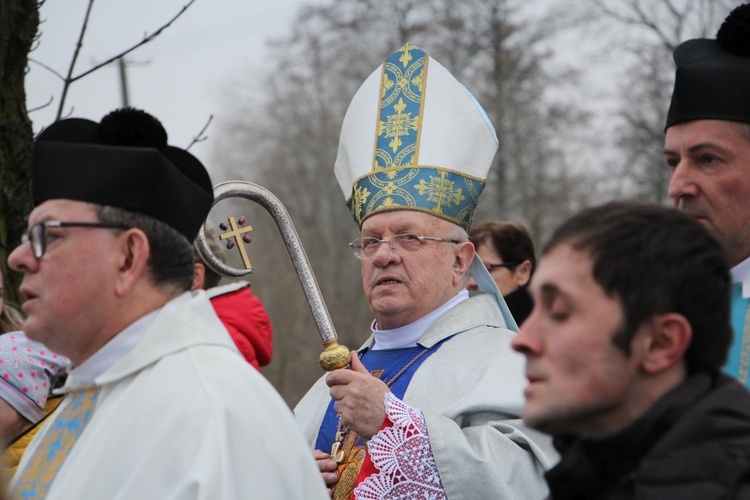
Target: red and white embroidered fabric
{"points": [[403, 457]]}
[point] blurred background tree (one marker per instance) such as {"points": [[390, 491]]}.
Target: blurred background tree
{"points": [[639, 37]]}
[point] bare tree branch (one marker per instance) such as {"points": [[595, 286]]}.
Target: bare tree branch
{"points": [[77, 51], [638, 17], [147, 38], [650, 23], [51, 98], [70, 113], [48, 68], [201, 137]]}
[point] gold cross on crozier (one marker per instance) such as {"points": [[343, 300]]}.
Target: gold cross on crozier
{"points": [[236, 233]]}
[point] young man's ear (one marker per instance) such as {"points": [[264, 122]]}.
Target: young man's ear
{"points": [[666, 342]]}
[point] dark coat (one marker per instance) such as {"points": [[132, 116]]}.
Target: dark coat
{"points": [[694, 443], [520, 303]]}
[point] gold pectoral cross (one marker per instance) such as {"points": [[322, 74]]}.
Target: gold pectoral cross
{"points": [[237, 233], [337, 454]]}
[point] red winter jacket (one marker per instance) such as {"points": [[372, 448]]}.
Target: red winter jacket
{"points": [[246, 320]]}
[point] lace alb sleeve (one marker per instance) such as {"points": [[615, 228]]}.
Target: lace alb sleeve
{"points": [[403, 457]]}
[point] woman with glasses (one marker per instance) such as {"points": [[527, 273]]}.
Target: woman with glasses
{"points": [[506, 249]]}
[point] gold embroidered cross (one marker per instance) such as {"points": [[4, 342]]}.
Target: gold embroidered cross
{"points": [[237, 233]]}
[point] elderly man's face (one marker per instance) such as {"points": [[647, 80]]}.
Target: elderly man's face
{"points": [[67, 292], [710, 165], [579, 381], [402, 287]]}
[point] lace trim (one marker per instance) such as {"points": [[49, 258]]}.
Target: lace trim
{"points": [[403, 457]]}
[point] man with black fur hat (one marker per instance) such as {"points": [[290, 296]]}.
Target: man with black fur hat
{"points": [[707, 149], [160, 404]]}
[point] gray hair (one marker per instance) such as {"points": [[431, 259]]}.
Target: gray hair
{"points": [[170, 258], [745, 129]]}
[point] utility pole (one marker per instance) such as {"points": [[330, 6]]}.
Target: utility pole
{"points": [[123, 82], [122, 66]]}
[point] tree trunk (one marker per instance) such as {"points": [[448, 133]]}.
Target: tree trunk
{"points": [[19, 20]]}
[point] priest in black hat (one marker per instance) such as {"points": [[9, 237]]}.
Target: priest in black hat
{"points": [[159, 404], [707, 150]]}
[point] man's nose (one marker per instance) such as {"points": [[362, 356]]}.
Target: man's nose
{"points": [[22, 259], [681, 183], [526, 341], [385, 253]]}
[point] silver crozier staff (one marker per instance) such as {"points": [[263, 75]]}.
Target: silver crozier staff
{"points": [[335, 355]]}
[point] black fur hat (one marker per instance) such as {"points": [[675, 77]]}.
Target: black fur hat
{"points": [[124, 162], [713, 76]]}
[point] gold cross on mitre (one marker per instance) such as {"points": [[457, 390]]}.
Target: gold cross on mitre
{"points": [[237, 233]]}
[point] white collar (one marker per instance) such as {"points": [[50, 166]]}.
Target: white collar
{"points": [[408, 335], [118, 347], [741, 274]]}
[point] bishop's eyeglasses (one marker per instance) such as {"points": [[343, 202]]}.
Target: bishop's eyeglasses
{"points": [[365, 248], [37, 235]]}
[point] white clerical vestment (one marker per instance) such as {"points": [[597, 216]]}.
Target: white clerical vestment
{"points": [[179, 415]]}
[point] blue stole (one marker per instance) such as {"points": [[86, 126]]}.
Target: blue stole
{"points": [[68, 424], [391, 361], [738, 362]]}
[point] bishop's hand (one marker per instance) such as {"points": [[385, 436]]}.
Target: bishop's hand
{"points": [[358, 397]]}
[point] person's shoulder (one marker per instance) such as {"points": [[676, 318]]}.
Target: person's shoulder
{"points": [[222, 380], [727, 398], [486, 335], [479, 319], [715, 427], [478, 311], [483, 347]]}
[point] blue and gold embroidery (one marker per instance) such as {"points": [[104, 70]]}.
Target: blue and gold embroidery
{"points": [[402, 95], [397, 180], [56, 444], [441, 191], [452, 195]]}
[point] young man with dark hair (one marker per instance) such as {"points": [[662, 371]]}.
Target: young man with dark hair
{"points": [[623, 354]]}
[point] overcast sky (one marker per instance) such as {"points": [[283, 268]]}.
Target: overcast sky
{"points": [[181, 76], [178, 77]]}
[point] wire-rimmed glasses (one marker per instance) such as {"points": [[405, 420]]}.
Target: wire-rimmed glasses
{"points": [[365, 248]]}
